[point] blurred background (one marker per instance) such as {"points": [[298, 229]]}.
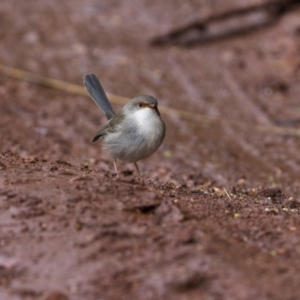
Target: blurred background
{"points": [[219, 205], [235, 64]]}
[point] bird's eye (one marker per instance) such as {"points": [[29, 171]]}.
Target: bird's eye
{"points": [[141, 105]]}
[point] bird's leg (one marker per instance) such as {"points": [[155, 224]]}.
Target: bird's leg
{"points": [[116, 167], [137, 169]]}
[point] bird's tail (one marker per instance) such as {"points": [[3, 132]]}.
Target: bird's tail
{"points": [[96, 91]]}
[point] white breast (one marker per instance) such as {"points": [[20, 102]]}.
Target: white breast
{"points": [[139, 137], [150, 126]]}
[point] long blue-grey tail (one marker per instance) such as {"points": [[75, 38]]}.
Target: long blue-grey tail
{"points": [[96, 91]]}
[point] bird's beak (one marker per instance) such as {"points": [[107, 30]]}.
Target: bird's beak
{"points": [[152, 106]]}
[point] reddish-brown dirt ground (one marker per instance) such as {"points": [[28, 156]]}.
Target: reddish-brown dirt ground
{"points": [[216, 215]]}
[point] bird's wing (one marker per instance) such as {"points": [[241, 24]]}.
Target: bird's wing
{"points": [[111, 126]]}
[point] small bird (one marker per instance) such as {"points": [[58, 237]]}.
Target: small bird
{"points": [[132, 134]]}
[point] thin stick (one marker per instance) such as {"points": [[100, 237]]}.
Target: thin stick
{"points": [[137, 169], [190, 116], [116, 167], [227, 194], [54, 83]]}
